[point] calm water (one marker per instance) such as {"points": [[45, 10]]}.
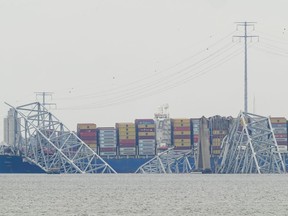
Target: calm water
{"points": [[143, 195]]}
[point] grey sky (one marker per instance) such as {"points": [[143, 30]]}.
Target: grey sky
{"points": [[97, 56]]}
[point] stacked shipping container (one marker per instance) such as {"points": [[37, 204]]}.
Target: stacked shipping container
{"points": [[146, 137], [219, 128], [279, 126], [181, 133], [195, 132], [126, 139], [87, 133], [107, 140], [140, 138]]}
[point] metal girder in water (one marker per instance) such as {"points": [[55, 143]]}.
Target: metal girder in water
{"points": [[251, 147], [43, 140], [169, 161]]}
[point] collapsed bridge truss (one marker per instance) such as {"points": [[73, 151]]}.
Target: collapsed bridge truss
{"points": [[45, 141], [169, 161], [251, 147]]}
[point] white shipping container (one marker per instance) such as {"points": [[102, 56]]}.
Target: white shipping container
{"points": [[107, 131], [281, 139], [112, 145], [107, 153], [282, 148], [146, 149], [108, 139], [147, 146], [146, 153], [147, 141], [127, 149], [127, 153], [107, 135]]}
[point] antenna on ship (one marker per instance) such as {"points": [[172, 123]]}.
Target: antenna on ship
{"points": [[245, 36]]}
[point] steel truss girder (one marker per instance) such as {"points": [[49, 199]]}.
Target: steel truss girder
{"points": [[45, 141], [169, 161], [251, 147]]}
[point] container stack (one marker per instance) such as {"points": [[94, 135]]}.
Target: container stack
{"points": [[107, 140], [219, 128], [146, 137], [279, 126], [195, 132], [126, 139], [87, 133], [181, 134]]}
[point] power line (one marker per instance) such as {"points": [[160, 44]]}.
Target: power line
{"points": [[44, 95], [131, 85], [245, 36], [152, 91], [167, 78]]}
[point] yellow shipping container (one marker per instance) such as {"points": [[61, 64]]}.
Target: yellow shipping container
{"points": [[188, 141], [216, 152], [146, 126], [125, 125], [93, 146], [127, 136], [182, 133], [127, 130], [182, 144], [126, 133], [278, 120], [146, 133], [86, 126], [216, 141]]}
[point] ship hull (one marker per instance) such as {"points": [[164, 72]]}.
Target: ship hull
{"points": [[15, 164]]}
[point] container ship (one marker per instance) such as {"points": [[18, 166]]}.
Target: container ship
{"points": [[128, 145]]}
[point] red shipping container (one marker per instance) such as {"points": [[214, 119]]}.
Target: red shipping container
{"points": [[128, 141], [280, 136], [216, 148], [107, 149], [86, 134], [182, 136], [88, 138], [182, 129]]}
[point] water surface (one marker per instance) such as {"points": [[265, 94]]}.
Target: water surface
{"points": [[132, 194]]}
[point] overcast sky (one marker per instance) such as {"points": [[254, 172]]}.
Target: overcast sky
{"points": [[115, 61]]}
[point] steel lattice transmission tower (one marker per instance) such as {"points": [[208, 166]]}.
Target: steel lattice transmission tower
{"points": [[45, 141], [245, 36], [251, 147]]}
